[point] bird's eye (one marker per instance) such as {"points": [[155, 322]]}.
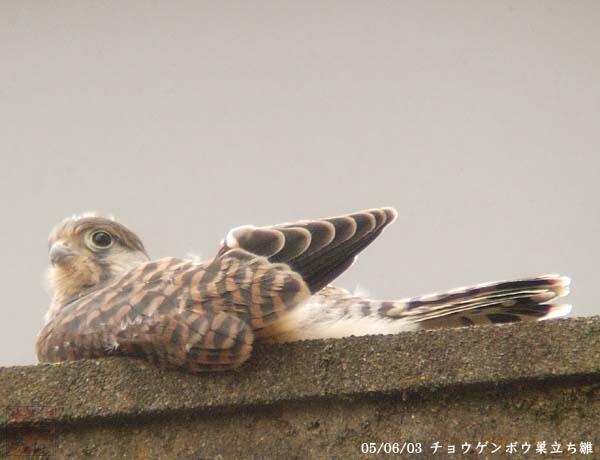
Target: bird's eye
{"points": [[102, 240]]}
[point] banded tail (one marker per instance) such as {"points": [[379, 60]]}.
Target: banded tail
{"points": [[335, 312], [488, 303]]}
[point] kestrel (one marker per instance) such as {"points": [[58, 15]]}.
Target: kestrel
{"points": [[264, 284]]}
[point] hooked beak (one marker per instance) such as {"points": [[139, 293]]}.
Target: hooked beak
{"points": [[59, 251]]}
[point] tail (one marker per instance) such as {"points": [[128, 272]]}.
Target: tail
{"points": [[490, 303], [335, 312]]}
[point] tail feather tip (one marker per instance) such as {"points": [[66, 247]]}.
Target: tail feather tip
{"points": [[557, 311]]}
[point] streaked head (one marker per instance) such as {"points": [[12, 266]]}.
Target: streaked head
{"points": [[85, 251]]}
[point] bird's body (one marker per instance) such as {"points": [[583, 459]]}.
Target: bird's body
{"points": [[264, 284]]}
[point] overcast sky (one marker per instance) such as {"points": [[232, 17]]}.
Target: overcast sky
{"points": [[478, 121]]}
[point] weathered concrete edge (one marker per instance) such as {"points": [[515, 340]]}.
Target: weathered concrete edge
{"points": [[426, 360]]}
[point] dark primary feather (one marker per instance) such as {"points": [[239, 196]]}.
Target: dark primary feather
{"points": [[319, 250]]}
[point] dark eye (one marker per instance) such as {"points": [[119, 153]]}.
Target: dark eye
{"points": [[102, 239]]}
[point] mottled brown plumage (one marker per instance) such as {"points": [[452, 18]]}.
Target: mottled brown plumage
{"points": [[265, 283]]}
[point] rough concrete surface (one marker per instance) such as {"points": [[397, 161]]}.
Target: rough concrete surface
{"points": [[322, 399]]}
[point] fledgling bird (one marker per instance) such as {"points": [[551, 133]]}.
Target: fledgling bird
{"points": [[264, 284]]}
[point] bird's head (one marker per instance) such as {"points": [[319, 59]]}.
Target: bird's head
{"points": [[86, 251]]}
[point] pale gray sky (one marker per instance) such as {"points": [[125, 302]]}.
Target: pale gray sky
{"points": [[479, 121]]}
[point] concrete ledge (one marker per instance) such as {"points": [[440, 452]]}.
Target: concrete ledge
{"points": [[334, 378]]}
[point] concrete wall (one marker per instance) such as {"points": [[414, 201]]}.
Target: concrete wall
{"points": [[519, 383]]}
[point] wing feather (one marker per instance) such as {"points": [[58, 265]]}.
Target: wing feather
{"points": [[319, 250]]}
